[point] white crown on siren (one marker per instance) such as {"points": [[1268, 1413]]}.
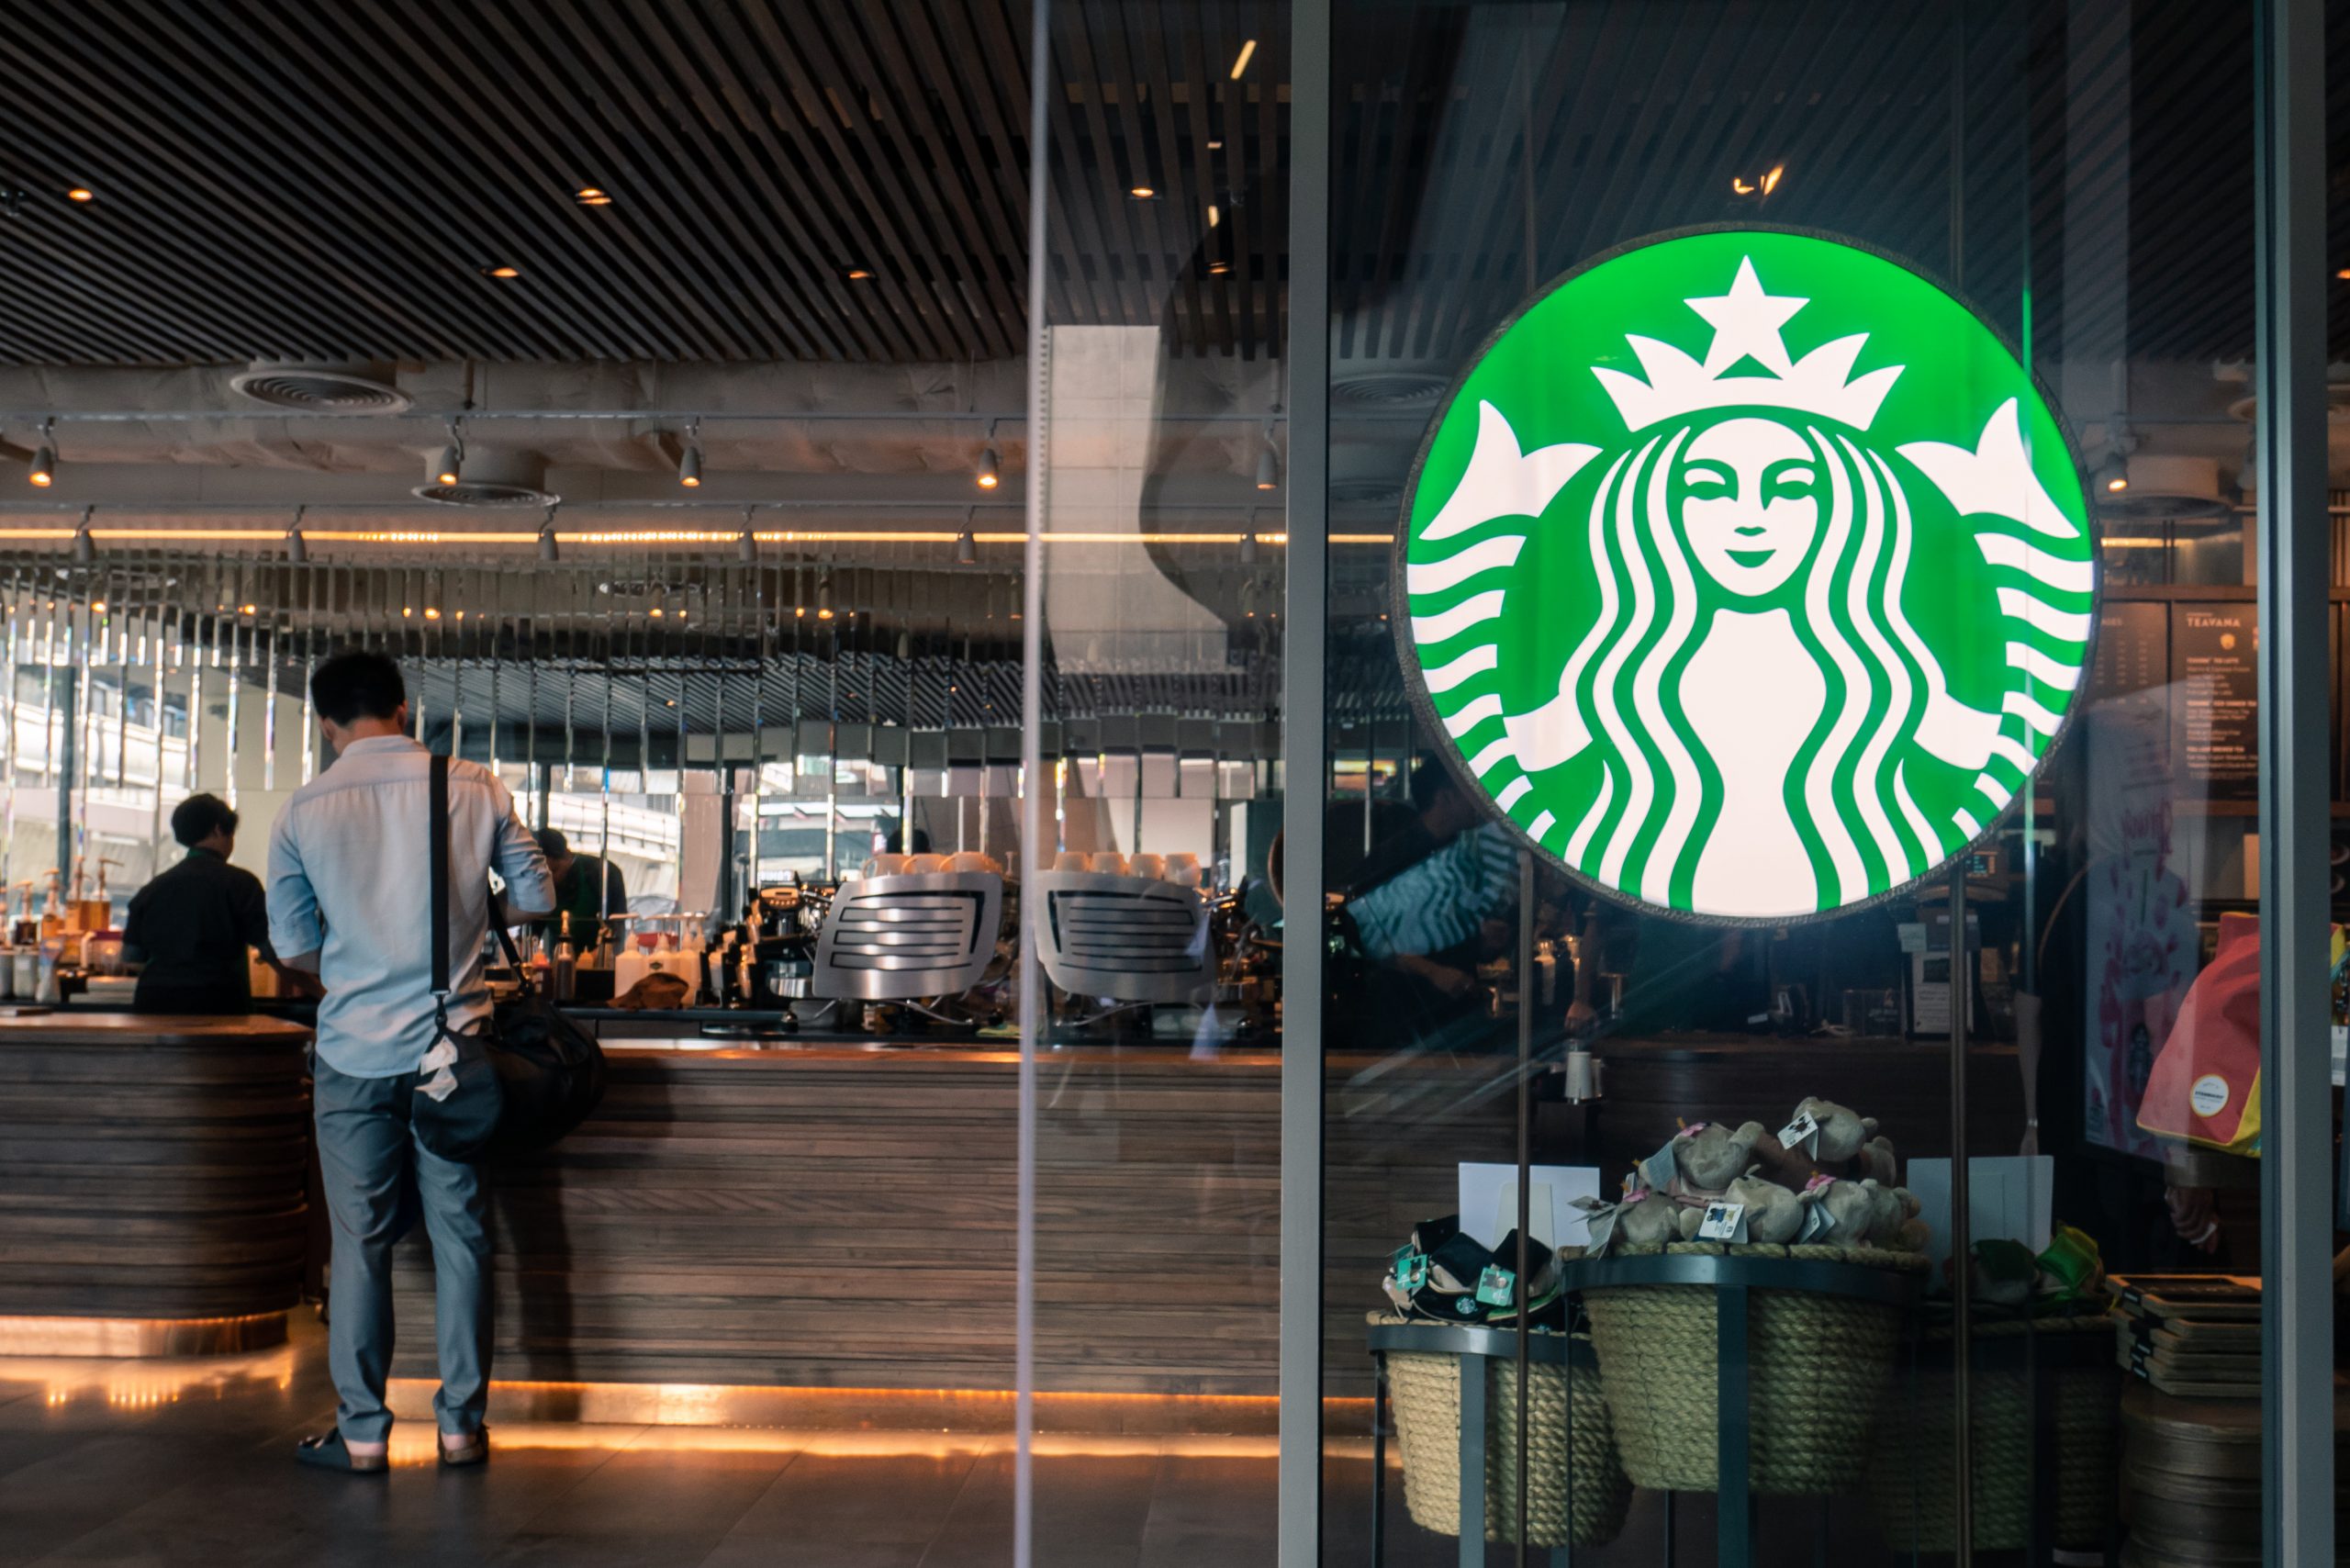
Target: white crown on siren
{"points": [[1746, 325]]}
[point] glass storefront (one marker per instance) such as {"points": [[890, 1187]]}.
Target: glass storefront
{"points": [[1629, 720]]}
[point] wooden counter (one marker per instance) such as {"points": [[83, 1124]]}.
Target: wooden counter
{"points": [[150, 1182], [835, 1219]]}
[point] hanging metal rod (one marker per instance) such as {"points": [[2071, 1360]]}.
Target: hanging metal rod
{"points": [[482, 416]]}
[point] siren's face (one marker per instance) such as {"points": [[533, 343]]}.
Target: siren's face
{"points": [[1749, 493]]}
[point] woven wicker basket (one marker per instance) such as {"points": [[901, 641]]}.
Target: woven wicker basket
{"points": [[1909, 1468], [1818, 1368], [1425, 1392]]}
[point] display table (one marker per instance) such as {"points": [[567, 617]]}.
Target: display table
{"points": [[151, 1181]]}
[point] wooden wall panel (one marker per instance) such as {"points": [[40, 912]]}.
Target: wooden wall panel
{"points": [[150, 1167]]}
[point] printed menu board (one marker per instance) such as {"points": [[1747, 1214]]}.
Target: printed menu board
{"points": [[2212, 660]]}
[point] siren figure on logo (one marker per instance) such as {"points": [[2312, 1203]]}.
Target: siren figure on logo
{"points": [[1710, 677]]}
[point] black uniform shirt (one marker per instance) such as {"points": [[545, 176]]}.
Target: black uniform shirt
{"points": [[191, 925]]}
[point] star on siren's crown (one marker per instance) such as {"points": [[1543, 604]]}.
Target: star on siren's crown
{"points": [[1747, 326]]}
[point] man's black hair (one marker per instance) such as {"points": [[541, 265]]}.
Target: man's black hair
{"points": [[357, 684], [196, 818], [552, 844], [1430, 779]]}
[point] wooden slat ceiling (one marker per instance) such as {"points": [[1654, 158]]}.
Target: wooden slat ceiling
{"points": [[278, 179]]}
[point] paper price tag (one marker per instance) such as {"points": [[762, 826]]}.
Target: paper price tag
{"points": [[1723, 1222], [1802, 1133], [1816, 1223], [1410, 1267], [1496, 1286], [1659, 1169]]}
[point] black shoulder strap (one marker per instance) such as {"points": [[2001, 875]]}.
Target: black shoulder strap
{"points": [[438, 812]]}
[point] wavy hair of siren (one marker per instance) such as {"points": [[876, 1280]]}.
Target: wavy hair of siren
{"points": [[1659, 794]]}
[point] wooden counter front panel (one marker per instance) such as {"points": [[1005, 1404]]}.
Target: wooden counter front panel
{"points": [[789, 1220], [151, 1168]]}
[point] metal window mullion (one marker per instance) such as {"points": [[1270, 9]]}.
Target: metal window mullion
{"points": [[1303, 739], [2297, 1189]]}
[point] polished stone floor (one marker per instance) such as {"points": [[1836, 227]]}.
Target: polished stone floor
{"points": [[189, 1466]]}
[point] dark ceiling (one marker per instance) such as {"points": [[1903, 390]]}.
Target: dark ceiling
{"points": [[298, 180]]}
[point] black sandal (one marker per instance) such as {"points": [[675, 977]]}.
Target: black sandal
{"points": [[474, 1452], [330, 1453]]}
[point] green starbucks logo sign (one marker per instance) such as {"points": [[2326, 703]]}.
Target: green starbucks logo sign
{"points": [[1748, 574]]}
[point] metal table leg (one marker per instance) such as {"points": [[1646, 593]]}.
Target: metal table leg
{"points": [[1379, 1461], [1472, 1461], [1735, 1529]]}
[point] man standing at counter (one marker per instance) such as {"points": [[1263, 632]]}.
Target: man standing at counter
{"points": [[189, 927], [348, 852]]}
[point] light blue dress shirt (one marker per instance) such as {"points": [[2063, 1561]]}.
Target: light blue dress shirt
{"points": [[348, 852]]}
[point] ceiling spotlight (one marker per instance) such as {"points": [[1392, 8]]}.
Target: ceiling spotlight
{"points": [[1142, 193], [450, 464], [689, 460], [82, 194], [548, 550], [2113, 474], [1269, 466], [86, 549], [966, 548], [990, 472], [1217, 146], [860, 274], [746, 549], [1217, 269], [589, 195], [502, 272], [298, 548], [1249, 546], [43, 473], [825, 597]]}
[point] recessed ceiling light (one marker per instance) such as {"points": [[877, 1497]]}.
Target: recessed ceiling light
{"points": [[1219, 268], [1142, 193], [592, 196], [1217, 146], [2345, 273], [501, 272], [859, 275], [1247, 52], [81, 192]]}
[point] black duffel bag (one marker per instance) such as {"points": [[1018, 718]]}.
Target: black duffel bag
{"points": [[527, 1074]]}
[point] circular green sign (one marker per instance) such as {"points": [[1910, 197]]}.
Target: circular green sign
{"points": [[1749, 575]]}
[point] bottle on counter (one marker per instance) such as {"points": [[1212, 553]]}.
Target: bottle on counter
{"points": [[25, 972], [564, 979]]}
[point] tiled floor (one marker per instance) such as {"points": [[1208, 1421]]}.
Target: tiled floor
{"points": [[189, 1465]]}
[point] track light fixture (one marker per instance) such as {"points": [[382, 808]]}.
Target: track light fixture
{"points": [[450, 465], [689, 460], [86, 549], [966, 547], [43, 472], [746, 549], [1269, 465], [298, 548], [990, 472], [548, 550], [1248, 541], [825, 597], [2113, 474]]}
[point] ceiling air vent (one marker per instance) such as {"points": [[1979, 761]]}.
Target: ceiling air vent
{"points": [[492, 476], [1389, 388], [322, 389]]}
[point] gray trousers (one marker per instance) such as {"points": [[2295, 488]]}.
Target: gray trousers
{"points": [[375, 1177]]}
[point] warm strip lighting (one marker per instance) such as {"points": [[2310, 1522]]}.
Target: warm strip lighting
{"points": [[501, 272], [1247, 52], [1142, 193], [81, 193], [589, 195], [1215, 217], [764, 536]]}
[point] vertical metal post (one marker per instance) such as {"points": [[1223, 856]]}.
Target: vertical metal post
{"points": [[1304, 742], [1734, 1445], [2296, 1190], [1032, 796], [1473, 1459], [1962, 1232], [1525, 998]]}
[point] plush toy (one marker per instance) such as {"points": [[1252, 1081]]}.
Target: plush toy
{"points": [[1842, 1133], [1910, 1235], [1877, 1160], [1648, 1220], [1773, 1214], [2003, 1274], [1886, 1214], [1852, 1205], [1711, 1155]]}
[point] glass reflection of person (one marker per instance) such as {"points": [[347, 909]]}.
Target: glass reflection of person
{"points": [[1754, 713]]}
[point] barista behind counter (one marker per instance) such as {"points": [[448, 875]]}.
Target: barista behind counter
{"points": [[190, 927], [587, 889]]}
